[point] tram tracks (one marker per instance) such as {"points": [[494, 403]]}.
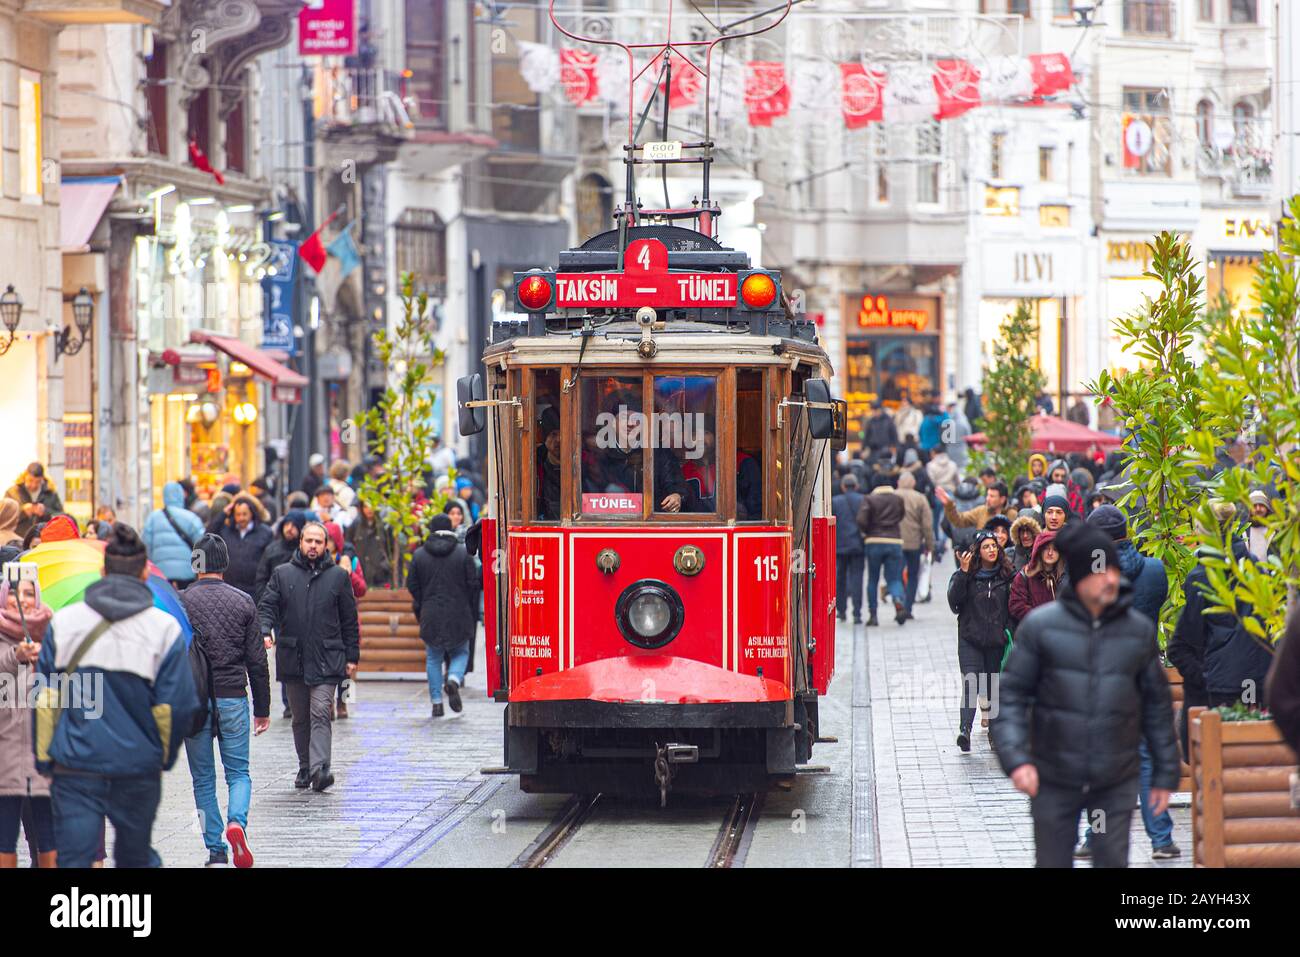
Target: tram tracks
{"points": [[729, 847]]}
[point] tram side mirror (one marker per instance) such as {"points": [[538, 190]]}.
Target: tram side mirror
{"points": [[840, 440], [470, 389], [821, 421]]}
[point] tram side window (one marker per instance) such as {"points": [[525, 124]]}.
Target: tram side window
{"points": [[749, 445], [547, 471], [684, 432], [612, 438]]}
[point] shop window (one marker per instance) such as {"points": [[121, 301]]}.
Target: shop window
{"points": [[1152, 107], [29, 131], [548, 470], [1046, 164], [1052, 216], [1243, 11], [421, 239], [155, 99], [425, 45], [1152, 18], [1001, 200]]}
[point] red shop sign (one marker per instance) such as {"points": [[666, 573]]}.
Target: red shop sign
{"points": [[327, 28]]}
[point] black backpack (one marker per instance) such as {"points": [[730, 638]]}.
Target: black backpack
{"points": [[201, 669]]}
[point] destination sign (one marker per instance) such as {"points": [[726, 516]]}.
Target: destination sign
{"points": [[645, 281]]}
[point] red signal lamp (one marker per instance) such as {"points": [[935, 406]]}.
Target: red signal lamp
{"points": [[535, 292], [758, 291]]}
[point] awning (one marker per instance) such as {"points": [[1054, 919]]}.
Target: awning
{"points": [[1052, 434], [285, 382], [82, 202]]}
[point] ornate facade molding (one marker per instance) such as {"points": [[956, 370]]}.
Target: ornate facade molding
{"points": [[221, 37]]}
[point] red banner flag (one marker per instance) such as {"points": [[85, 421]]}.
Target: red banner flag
{"points": [[1052, 73], [862, 95], [767, 95], [957, 85], [578, 74]]}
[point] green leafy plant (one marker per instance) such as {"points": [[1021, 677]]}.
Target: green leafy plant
{"points": [[1010, 387], [1160, 406], [1250, 387], [1242, 712], [401, 427]]}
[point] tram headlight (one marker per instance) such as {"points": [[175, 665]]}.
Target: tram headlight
{"points": [[649, 613]]}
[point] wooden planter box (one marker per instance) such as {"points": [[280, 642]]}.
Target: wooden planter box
{"points": [[1241, 801], [390, 633], [1176, 689]]}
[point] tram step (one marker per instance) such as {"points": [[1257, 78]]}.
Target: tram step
{"points": [[828, 739], [812, 769], [496, 769]]}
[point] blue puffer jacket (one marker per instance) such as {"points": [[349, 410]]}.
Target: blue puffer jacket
{"points": [[1148, 577], [132, 698], [168, 550]]}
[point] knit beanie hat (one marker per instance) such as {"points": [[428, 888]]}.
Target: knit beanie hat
{"points": [[1110, 520], [1087, 550], [1056, 501], [211, 557], [439, 523], [297, 518]]}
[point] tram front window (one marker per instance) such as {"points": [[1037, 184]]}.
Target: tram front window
{"points": [[611, 445], [685, 439]]}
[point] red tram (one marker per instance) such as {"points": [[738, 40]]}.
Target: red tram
{"points": [[659, 558]]}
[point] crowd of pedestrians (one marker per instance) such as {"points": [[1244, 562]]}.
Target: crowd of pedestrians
{"points": [[1057, 615], [256, 575]]}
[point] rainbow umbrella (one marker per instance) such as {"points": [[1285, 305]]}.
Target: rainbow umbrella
{"points": [[65, 569]]}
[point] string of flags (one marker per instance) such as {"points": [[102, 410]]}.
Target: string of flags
{"points": [[767, 90]]}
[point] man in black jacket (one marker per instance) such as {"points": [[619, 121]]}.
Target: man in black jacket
{"points": [[1083, 686], [225, 623], [309, 606], [880, 432], [850, 554], [445, 583]]}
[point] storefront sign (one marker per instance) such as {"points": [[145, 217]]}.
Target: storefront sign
{"points": [[277, 292], [1134, 253], [1245, 228], [896, 312], [1042, 270], [327, 28]]}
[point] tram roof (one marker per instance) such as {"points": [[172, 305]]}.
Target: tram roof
{"points": [[678, 343]]}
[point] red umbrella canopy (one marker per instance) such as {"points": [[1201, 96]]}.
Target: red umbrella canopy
{"points": [[1054, 434]]}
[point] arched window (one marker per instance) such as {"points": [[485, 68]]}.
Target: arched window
{"points": [[1205, 122], [1243, 116]]}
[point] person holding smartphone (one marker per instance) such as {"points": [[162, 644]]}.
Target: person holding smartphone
{"points": [[978, 594]]}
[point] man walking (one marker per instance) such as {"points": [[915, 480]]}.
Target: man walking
{"points": [[109, 746], [995, 503], [1083, 687], [225, 623], [917, 531], [850, 556], [879, 519], [308, 605], [445, 583]]}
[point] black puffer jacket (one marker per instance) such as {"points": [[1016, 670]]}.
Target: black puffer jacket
{"points": [[311, 608], [1214, 652], [226, 620], [1078, 695], [445, 583], [980, 604]]}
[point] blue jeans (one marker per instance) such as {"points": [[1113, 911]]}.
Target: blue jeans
{"points": [[912, 559], [82, 801], [890, 558], [232, 713], [457, 662]]}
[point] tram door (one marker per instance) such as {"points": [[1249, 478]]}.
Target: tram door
{"points": [[803, 458]]}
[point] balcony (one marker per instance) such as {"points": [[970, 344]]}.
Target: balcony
{"points": [[1148, 18], [362, 109], [1246, 164], [68, 12]]}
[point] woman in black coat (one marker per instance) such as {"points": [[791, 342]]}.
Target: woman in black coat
{"points": [[444, 582], [373, 543], [246, 535], [978, 593]]}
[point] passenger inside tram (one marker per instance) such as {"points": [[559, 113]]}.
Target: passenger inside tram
{"points": [[547, 471]]}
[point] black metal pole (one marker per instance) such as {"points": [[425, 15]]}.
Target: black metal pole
{"points": [[303, 437]]}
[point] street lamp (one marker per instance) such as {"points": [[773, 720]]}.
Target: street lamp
{"points": [[83, 311], [11, 313]]}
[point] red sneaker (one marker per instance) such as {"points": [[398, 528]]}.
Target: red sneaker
{"points": [[239, 851]]}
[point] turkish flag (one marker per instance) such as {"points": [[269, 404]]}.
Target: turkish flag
{"points": [[312, 251], [767, 95], [862, 95], [1051, 72], [199, 160], [957, 85], [578, 75]]}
